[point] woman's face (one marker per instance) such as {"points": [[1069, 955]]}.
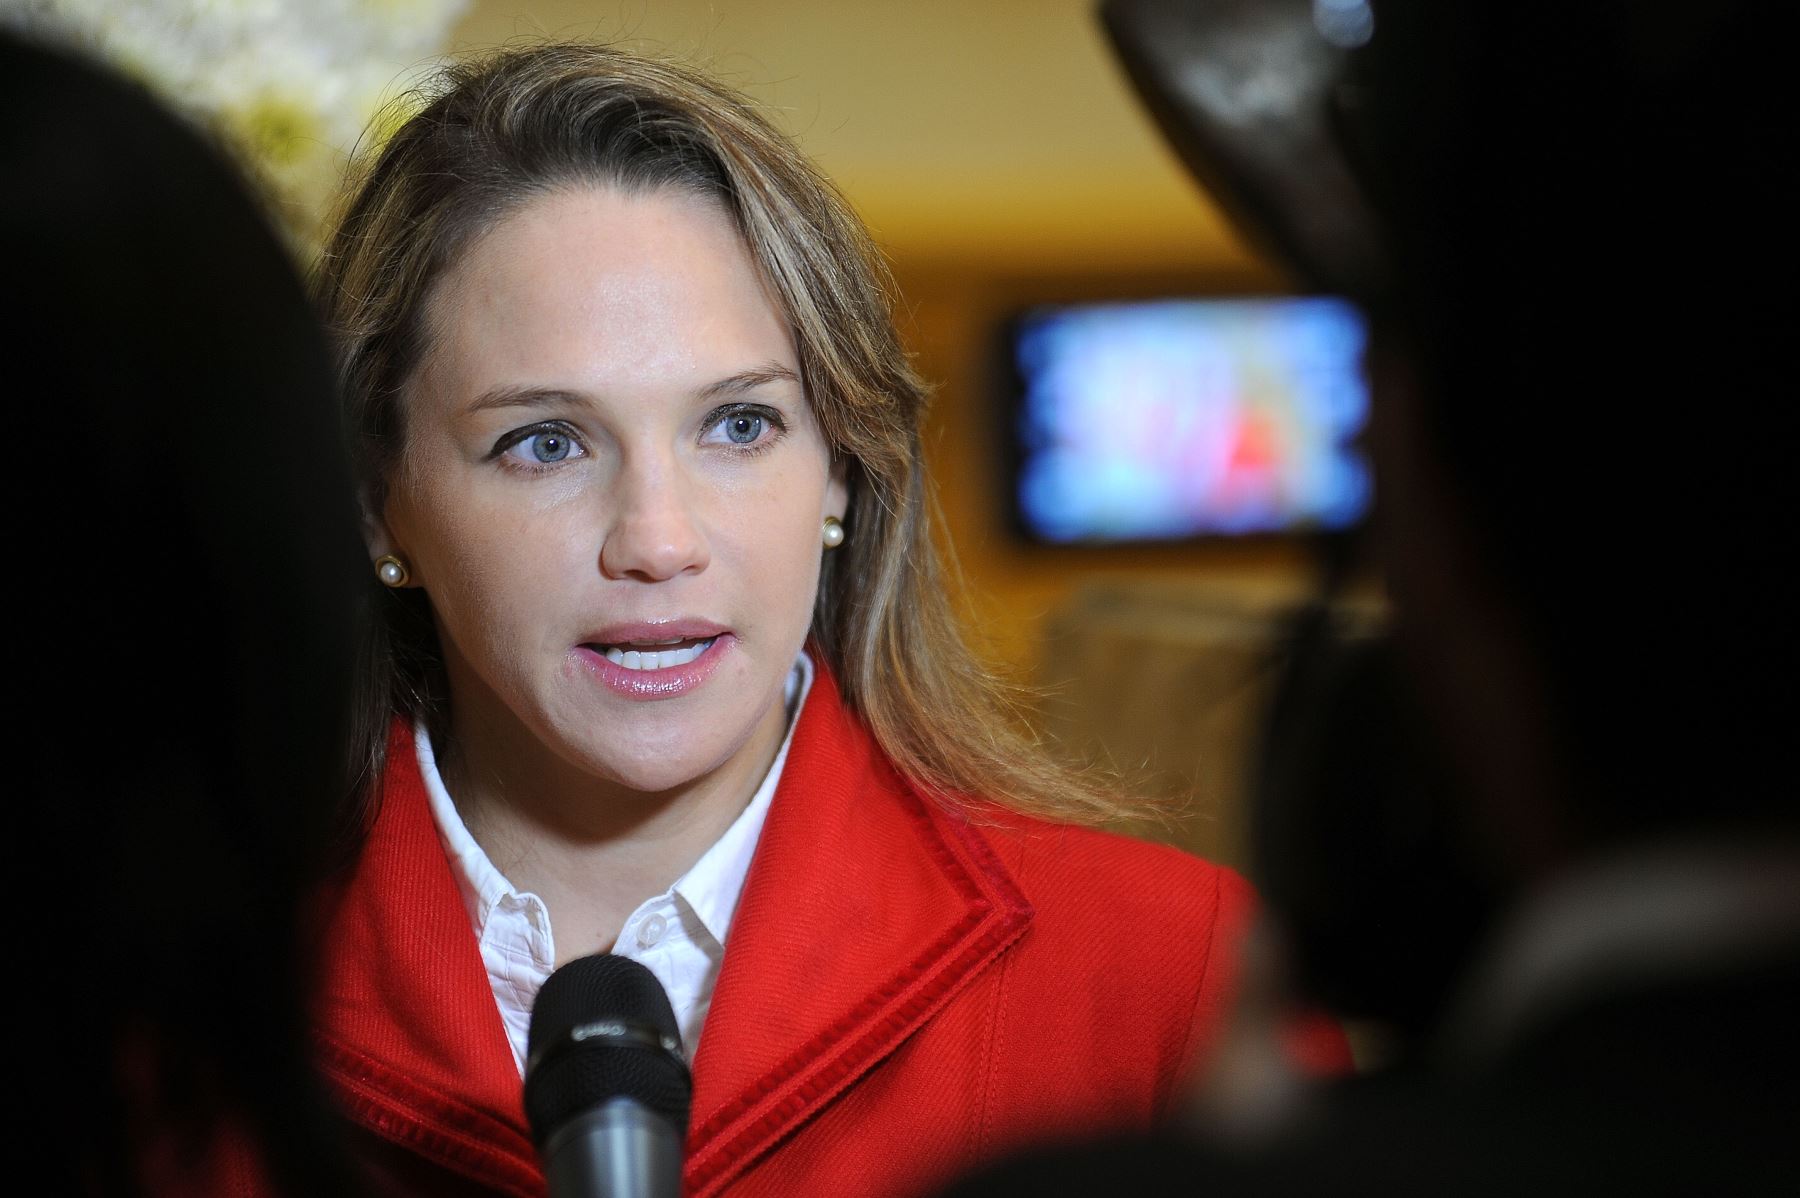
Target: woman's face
{"points": [[613, 487]]}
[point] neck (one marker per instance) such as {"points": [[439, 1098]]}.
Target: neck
{"points": [[593, 849]]}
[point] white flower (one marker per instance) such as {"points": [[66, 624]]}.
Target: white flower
{"points": [[290, 87]]}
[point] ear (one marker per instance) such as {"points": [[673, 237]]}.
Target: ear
{"points": [[379, 536], [837, 488], [376, 534]]}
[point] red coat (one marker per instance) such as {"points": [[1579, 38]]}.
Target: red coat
{"points": [[907, 991]]}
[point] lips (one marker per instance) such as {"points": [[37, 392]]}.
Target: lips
{"points": [[653, 635], [654, 658]]}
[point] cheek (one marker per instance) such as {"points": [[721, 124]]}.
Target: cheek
{"points": [[486, 570], [777, 543]]}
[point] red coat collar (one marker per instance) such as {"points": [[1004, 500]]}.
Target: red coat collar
{"points": [[866, 908]]}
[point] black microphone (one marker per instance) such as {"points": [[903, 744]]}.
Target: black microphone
{"points": [[606, 1089]]}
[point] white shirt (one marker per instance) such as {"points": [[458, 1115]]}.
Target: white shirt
{"points": [[679, 935]]}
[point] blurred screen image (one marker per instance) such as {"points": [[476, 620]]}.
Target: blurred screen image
{"points": [[1179, 419]]}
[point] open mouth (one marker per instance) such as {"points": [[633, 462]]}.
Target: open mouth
{"points": [[654, 655]]}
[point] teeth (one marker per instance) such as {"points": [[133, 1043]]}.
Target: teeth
{"points": [[635, 659]]}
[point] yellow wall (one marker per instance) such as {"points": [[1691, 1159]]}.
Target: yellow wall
{"points": [[998, 129]]}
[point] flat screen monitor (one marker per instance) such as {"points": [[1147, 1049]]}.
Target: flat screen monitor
{"points": [[1181, 419]]}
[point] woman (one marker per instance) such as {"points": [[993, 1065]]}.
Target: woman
{"points": [[668, 666]]}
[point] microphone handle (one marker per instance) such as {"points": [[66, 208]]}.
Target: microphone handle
{"points": [[619, 1149]]}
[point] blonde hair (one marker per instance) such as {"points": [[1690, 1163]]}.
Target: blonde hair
{"points": [[522, 122]]}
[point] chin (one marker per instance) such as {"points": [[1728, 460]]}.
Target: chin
{"points": [[653, 773], [658, 779], [654, 748]]}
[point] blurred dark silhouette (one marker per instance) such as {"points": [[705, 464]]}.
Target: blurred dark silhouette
{"points": [[185, 567], [1540, 832]]}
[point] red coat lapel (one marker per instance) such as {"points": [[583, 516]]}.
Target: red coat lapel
{"points": [[866, 909], [408, 1034]]}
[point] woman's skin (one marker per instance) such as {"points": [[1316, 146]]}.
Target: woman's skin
{"points": [[608, 443]]}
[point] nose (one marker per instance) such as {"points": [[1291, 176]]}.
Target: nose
{"points": [[653, 534]]}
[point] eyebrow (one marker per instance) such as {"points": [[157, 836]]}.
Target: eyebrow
{"points": [[746, 380], [514, 396]]}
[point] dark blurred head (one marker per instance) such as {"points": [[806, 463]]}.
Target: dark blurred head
{"points": [[186, 554], [1583, 501], [1580, 491]]}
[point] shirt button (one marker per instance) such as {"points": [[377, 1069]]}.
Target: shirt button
{"points": [[651, 931]]}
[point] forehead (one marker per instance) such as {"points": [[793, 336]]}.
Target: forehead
{"points": [[599, 287]]}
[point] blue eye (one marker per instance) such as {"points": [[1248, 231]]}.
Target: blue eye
{"points": [[547, 447], [539, 445], [743, 428]]}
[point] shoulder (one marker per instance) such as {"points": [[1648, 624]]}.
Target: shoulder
{"points": [[1096, 899], [1079, 872], [1125, 969], [1123, 918], [1084, 873]]}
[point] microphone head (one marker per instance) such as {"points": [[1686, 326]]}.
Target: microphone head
{"points": [[602, 1028]]}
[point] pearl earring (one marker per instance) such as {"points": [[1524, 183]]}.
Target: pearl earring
{"points": [[391, 570], [834, 532]]}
